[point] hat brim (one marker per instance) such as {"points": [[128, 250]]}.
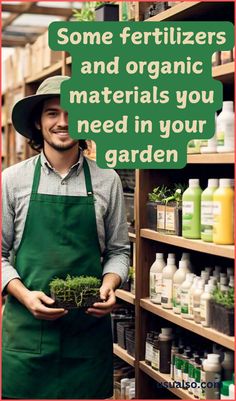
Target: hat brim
{"points": [[22, 114]]}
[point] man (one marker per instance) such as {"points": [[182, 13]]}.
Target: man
{"points": [[61, 215]]}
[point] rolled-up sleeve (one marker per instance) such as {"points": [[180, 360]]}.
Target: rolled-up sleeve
{"points": [[116, 256]]}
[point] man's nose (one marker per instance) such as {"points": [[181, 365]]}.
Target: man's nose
{"points": [[63, 119]]}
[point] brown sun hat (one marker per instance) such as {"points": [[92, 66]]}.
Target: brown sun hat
{"points": [[23, 110]]}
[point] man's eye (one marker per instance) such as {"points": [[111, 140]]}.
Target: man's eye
{"points": [[52, 113]]}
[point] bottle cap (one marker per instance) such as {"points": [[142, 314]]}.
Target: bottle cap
{"points": [[225, 183], [194, 182], [230, 271], [213, 182], [214, 358], [185, 255], [208, 269], [166, 331], [217, 269], [228, 105], [171, 255], [159, 255], [183, 264]]}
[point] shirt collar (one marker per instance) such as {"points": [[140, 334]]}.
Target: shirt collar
{"points": [[47, 167]]}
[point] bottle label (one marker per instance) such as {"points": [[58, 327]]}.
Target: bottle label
{"points": [[216, 209], [155, 359], [185, 300], [170, 218], [156, 286], [160, 217], [207, 217], [188, 213], [166, 296], [176, 298], [203, 308], [148, 352]]}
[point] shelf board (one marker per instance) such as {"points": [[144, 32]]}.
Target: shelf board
{"points": [[190, 325], [126, 296], [211, 158], [161, 377], [45, 73], [68, 60], [123, 354], [132, 237], [224, 72], [227, 251]]}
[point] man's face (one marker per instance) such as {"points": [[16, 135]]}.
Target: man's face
{"points": [[54, 126]]}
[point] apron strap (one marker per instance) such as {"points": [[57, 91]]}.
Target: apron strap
{"points": [[87, 175]]}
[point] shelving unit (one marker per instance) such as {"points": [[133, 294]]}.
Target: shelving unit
{"points": [[146, 241]]}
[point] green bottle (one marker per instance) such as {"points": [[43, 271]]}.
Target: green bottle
{"points": [[191, 227], [207, 210]]}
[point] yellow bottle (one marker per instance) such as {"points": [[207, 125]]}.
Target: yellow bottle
{"points": [[223, 213]]}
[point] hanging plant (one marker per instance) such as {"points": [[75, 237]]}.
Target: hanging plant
{"points": [[75, 292]]}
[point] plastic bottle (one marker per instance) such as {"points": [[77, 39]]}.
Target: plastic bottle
{"points": [[191, 372], [207, 210], [232, 390], [224, 391], [186, 257], [185, 366], [174, 351], [156, 278], [225, 128], [230, 271], [185, 296], [165, 343], [228, 365], [155, 353], [149, 348], [223, 213], [205, 306], [167, 284], [191, 291], [224, 284], [197, 377], [231, 281], [208, 270], [211, 143], [191, 210], [205, 276], [178, 279], [212, 374], [197, 301]]}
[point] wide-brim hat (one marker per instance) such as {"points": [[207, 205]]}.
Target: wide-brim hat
{"points": [[23, 111]]}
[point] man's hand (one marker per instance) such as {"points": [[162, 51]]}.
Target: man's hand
{"points": [[35, 302], [100, 309], [107, 293]]}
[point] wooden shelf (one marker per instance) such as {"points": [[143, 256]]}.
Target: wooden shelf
{"points": [[161, 377], [227, 251], [190, 325], [47, 72], [123, 354], [176, 12], [126, 296], [132, 237], [224, 72], [211, 158], [69, 60]]}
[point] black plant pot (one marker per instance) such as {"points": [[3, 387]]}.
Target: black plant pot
{"points": [[107, 12], [151, 214], [76, 300]]}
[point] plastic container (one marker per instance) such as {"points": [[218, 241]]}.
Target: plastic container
{"points": [[185, 296], [197, 301], [167, 283], [225, 128], [223, 213], [211, 143], [205, 307], [191, 225], [207, 210], [178, 278], [165, 343], [228, 365], [155, 277], [186, 257], [211, 374]]}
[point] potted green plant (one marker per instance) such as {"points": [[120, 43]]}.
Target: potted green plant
{"points": [[173, 210], [87, 12], [222, 311], [155, 217], [75, 292]]}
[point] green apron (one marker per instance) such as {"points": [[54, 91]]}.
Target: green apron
{"points": [[71, 357]]}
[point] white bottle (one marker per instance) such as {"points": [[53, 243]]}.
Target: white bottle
{"points": [[212, 374], [211, 143], [186, 257], [155, 278], [230, 271], [225, 128], [167, 283], [185, 296], [232, 392], [197, 301], [231, 281], [209, 270], [228, 365], [205, 306], [178, 279], [205, 276], [224, 284], [191, 291]]}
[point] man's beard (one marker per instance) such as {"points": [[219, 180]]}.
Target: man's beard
{"points": [[62, 147]]}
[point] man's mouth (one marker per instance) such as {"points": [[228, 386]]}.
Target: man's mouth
{"points": [[61, 133]]}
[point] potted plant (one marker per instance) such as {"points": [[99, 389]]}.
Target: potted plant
{"points": [[222, 311], [75, 292], [107, 12], [173, 210], [87, 12], [155, 217]]}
